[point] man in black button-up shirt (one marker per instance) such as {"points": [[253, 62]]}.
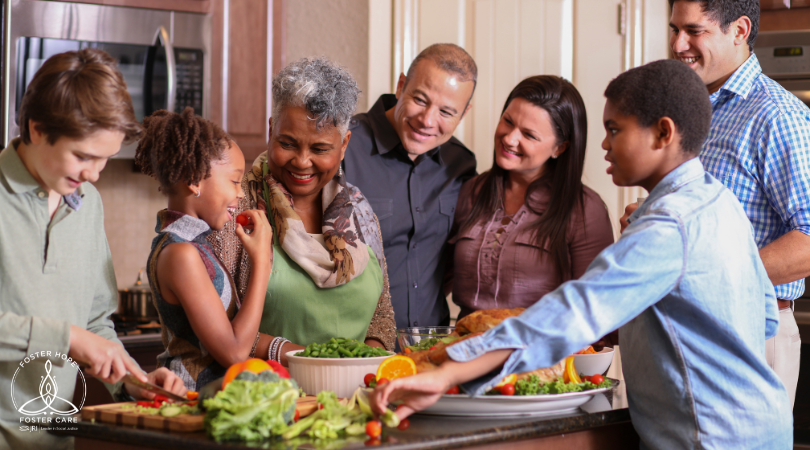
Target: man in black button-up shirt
{"points": [[404, 158]]}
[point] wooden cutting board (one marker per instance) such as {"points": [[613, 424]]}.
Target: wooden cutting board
{"points": [[115, 413]]}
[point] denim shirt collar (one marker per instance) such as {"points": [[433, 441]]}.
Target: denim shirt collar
{"points": [[686, 172]]}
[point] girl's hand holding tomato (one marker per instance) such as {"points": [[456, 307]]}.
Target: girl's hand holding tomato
{"points": [[259, 243]]}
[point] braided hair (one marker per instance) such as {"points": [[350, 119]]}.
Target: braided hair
{"points": [[179, 148]]}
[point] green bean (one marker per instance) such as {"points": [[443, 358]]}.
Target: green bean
{"points": [[345, 352]]}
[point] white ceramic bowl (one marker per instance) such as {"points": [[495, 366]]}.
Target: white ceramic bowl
{"points": [[594, 363], [340, 375]]}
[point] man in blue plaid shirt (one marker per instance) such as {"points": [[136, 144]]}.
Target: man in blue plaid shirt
{"points": [[758, 146]]}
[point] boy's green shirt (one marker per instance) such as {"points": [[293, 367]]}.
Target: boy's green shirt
{"points": [[53, 274]]}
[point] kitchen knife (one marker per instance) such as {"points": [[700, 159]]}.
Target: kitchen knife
{"points": [[129, 378]]}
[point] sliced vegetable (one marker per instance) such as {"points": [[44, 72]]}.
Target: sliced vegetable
{"points": [[170, 411], [509, 379], [192, 395], [342, 348], [570, 372]]}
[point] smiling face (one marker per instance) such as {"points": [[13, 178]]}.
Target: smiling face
{"points": [[698, 41], [63, 166], [525, 139], [430, 105], [630, 150], [303, 158], [221, 191]]}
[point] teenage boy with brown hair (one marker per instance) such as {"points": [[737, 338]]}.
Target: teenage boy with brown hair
{"points": [[695, 367], [57, 285]]}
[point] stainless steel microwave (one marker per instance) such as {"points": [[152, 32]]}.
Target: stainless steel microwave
{"points": [[785, 57], [163, 55]]}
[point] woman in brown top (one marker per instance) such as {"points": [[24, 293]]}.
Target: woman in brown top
{"points": [[528, 224]]}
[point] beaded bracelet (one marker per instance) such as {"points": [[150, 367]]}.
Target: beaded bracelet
{"points": [[278, 350], [271, 351], [255, 343]]}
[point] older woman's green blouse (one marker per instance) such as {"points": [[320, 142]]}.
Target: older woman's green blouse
{"points": [[296, 309]]}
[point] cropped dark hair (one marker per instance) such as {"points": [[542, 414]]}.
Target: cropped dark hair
{"points": [[74, 94], [724, 12], [179, 147], [563, 103], [450, 58], [665, 88]]}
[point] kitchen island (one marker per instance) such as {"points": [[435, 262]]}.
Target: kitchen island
{"points": [[598, 425]]}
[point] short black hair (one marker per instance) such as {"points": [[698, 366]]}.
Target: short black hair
{"points": [[665, 88], [724, 12]]}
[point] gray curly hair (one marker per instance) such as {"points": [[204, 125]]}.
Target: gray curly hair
{"points": [[325, 89]]}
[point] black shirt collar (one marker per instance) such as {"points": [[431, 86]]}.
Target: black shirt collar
{"points": [[385, 136]]}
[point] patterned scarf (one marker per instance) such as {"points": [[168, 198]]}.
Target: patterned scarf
{"points": [[340, 255]]}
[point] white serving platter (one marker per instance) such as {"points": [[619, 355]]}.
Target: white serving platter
{"points": [[512, 405]]}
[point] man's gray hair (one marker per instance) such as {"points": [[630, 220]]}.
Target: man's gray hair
{"points": [[326, 90]]}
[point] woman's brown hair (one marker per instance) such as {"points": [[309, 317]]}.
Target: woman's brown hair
{"points": [[564, 105], [179, 147], [75, 94]]}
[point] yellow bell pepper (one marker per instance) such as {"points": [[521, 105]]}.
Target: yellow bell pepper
{"points": [[570, 374], [509, 379]]}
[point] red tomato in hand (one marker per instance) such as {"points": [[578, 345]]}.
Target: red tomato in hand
{"points": [[243, 219], [597, 379], [369, 378], [453, 390], [508, 389], [382, 381], [374, 428], [404, 424]]}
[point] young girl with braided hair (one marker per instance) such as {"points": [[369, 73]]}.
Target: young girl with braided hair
{"points": [[200, 169]]}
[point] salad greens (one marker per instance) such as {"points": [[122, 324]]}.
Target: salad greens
{"points": [[338, 420], [533, 386], [251, 407], [426, 343]]}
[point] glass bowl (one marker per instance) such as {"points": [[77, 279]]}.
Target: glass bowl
{"points": [[411, 337]]}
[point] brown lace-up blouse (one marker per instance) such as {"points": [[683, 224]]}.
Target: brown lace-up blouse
{"points": [[497, 262]]}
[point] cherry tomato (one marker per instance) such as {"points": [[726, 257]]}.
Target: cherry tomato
{"points": [[453, 390], [597, 379], [296, 416], [374, 429], [373, 442], [369, 378], [404, 424], [585, 378], [243, 219], [508, 389], [382, 381]]}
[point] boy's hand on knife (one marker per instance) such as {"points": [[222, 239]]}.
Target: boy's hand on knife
{"points": [[105, 360], [162, 377]]}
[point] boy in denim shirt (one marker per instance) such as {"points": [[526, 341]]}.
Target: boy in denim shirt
{"points": [[685, 284]]}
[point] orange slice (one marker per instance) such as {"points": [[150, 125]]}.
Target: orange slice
{"points": [[397, 366]]}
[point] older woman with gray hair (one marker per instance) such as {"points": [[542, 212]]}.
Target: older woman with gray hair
{"points": [[329, 277]]}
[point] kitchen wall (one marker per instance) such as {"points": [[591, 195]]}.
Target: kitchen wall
{"points": [[131, 202], [338, 29]]}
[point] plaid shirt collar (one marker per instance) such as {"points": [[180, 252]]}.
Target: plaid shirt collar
{"points": [[742, 80]]}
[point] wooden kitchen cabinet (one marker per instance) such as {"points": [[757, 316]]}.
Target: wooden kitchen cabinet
{"points": [[245, 115], [774, 4]]}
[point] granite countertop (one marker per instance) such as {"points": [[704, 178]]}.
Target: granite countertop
{"points": [[425, 432]]}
